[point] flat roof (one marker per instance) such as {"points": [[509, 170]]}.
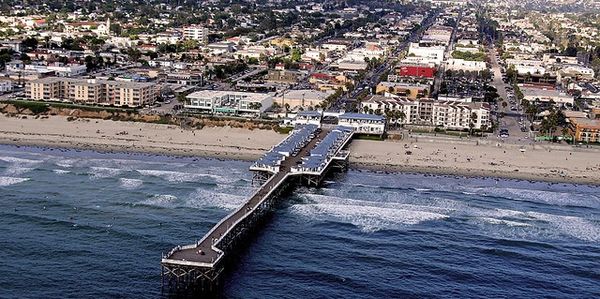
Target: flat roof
{"points": [[362, 116], [204, 94]]}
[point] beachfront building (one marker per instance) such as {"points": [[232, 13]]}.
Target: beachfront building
{"points": [[453, 115], [363, 123], [91, 91], [309, 117], [228, 102], [584, 129]]}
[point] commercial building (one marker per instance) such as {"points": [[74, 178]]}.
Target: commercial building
{"points": [[309, 117], [465, 65], [411, 91], [363, 123], [433, 54], [228, 102], [533, 93], [101, 92], [303, 97], [195, 32], [415, 70], [585, 129]]}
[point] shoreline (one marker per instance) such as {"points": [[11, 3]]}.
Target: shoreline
{"points": [[496, 175], [358, 166], [424, 155]]}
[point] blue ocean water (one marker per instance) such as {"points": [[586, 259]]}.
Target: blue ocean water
{"points": [[82, 224]]}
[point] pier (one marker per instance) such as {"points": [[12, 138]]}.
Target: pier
{"points": [[305, 156]]}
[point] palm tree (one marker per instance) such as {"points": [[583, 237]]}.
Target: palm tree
{"points": [[472, 123]]}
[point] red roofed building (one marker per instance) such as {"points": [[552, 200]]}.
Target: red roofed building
{"points": [[420, 71]]}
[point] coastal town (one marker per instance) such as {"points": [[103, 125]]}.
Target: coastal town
{"points": [[300, 148], [411, 74]]}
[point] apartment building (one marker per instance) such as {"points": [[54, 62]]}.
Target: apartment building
{"points": [[101, 92], [196, 32], [446, 114]]}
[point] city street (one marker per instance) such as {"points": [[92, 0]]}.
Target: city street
{"points": [[511, 119]]}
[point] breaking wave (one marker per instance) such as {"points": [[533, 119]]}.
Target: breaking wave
{"points": [[7, 181], [179, 177], [368, 216], [105, 172], [130, 184]]}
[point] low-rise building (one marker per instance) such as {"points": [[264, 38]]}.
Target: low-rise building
{"points": [[303, 97], [312, 117], [465, 65], [364, 123], [228, 102], [412, 91], [6, 85], [534, 94]]}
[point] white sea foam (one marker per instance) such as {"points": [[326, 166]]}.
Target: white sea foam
{"points": [[541, 196], [130, 184], [368, 218], [576, 227], [7, 181], [16, 160], [205, 198], [60, 171], [17, 170], [178, 177], [503, 222], [368, 215], [65, 163], [161, 200], [105, 172]]}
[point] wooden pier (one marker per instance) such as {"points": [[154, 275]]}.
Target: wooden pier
{"points": [[197, 270]]}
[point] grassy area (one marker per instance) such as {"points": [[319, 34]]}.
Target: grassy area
{"points": [[283, 130], [38, 104], [479, 56]]}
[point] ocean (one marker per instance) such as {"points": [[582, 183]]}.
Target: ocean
{"points": [[83, 224]]}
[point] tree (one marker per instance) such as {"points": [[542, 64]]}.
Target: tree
{"points": [[29, 43], [472, 122]]}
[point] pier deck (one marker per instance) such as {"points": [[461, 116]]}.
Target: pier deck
{"points": [[199, 266], [209, 256]]}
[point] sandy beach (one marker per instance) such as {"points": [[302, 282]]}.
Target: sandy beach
{"points": [[484, 158], [487, 158], [108, 135]]}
